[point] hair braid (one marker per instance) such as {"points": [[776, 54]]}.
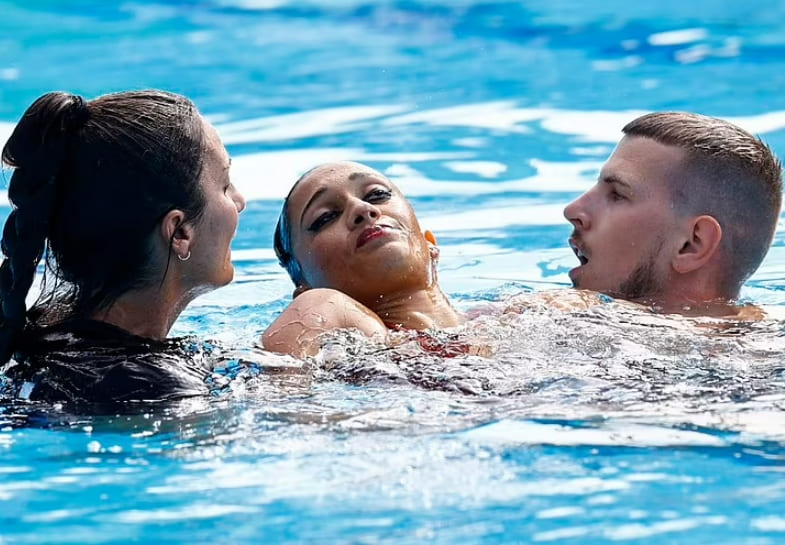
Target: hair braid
{"points": [[36, 150]]}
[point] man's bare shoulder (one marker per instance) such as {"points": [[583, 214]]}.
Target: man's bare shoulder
{"points": [[565, 300]]}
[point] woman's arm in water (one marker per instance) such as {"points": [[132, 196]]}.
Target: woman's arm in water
{"points": [[298, 329]]}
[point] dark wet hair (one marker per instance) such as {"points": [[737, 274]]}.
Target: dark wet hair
{"points": [[730, 175], [282, 239], [91, 182]]}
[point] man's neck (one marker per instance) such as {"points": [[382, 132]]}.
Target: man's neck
{"points": [[706, 304]]}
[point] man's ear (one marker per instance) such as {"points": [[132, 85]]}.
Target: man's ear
{"points": [[701, 243], [177, 233]]}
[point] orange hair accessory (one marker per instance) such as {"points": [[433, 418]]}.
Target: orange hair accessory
{"points": [[429, 237]]}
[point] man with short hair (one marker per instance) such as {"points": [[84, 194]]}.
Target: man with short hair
{"points": [[683, 212]]}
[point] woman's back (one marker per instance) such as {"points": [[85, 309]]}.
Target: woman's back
{"points": [[128, 200]]}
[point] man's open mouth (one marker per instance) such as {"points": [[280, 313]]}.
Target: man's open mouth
{"points": [[579, 253]]}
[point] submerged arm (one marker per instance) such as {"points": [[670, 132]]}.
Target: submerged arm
{"points": [[314, 312]]}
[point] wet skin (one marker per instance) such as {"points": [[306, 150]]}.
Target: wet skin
{"points": [[625, 226], [353, 231]]}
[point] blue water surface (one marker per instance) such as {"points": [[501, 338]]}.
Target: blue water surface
{"points": [[593, 428]]}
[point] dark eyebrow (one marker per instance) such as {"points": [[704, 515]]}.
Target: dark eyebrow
{"points": [[313, 198], [610, 179], [369, 178]]}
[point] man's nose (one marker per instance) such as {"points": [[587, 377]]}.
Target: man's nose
{"points": [[239, 201], [577, 212]]}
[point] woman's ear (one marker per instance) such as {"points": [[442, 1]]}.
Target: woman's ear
{"points": [[299, 290], [433, 248], [177, 233], [701, 244]]}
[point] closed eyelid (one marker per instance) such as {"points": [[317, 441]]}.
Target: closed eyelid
{"points": [[317, 212], [373, 188], [320, 219], [378, 191]]}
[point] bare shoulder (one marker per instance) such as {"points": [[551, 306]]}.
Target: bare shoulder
{"points": [[565, 300], [314, 312]]}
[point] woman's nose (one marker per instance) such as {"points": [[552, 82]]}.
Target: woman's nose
{"points": [[363, 212]]}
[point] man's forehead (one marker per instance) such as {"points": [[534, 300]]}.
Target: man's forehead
{"points": [[643, 161]]}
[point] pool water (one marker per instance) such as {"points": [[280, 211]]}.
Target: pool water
{"points": [[596, 426]]}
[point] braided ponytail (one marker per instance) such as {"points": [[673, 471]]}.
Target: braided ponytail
{"points": [[37, 149]]}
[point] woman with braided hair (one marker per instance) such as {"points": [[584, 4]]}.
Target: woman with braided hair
{"points": [[127, 198]]}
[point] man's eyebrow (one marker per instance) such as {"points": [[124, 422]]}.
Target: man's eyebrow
{"points": [[313, 198], [611, 179]]}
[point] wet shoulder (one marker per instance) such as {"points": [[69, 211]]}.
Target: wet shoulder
{"points": [[314, 312], [92, 361]]}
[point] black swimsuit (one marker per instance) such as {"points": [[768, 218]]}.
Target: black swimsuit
{"points": [[91, 361]]}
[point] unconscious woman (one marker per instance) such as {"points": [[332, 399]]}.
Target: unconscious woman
{"points": [[128, 199], [353, 247]]}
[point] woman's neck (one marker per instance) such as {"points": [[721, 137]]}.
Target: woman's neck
{"points": [[147, 312], [419, 309]]}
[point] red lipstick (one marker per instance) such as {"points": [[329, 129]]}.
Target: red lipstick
{"points": [[368, 234]]}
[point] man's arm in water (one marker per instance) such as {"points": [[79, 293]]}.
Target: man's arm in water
{"points": [[298, 329]]}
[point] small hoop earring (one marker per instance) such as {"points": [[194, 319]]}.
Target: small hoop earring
{"points": [[186, 258]]}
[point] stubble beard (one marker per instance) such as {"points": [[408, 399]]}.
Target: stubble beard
{"points": [[643, 284]]}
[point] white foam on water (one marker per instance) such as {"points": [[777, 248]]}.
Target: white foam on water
{"points": [[260, 5], [484, 169], [10, 74], [569, 532], [613, 65], [188, 512], [679, 37], [769, 524], [497, 217], [638, 531], [761, 124], [587, 126], [597, 126], [613, 434], [499, 115], [302, 124], [5, 131], [5, 175], [269, 175]]}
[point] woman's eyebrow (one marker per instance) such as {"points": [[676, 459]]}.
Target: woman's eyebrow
{"points": [[313, 198], [368, 177]]}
